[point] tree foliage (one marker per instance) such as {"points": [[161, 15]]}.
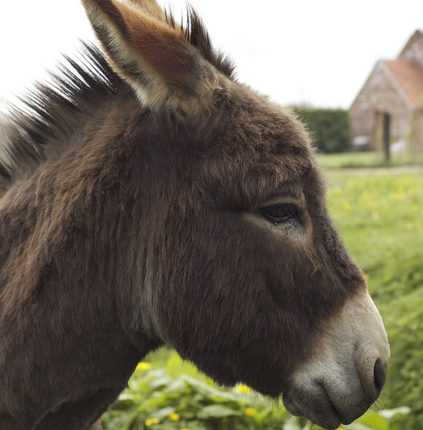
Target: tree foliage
{"points": [[329, 128]]}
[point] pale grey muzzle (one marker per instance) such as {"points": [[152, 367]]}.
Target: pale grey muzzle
{"points": [[346, 371]]}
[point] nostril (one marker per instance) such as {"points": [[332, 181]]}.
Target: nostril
{"points": [[379, 374]]}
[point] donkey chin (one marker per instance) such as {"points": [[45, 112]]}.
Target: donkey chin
{"points": [[346, 373]]}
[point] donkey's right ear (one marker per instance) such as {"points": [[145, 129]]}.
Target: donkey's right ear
{"points": [[151, 8], [154, 57]]}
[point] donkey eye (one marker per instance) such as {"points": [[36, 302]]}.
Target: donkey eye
{"points": [[280, 213]]}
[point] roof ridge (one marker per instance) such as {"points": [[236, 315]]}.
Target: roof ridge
{"points": [[417, 32]]}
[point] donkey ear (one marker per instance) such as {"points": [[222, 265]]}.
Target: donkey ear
{"points": [[150, 7], [153, 56]]}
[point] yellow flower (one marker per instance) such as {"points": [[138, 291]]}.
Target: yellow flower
{"points": [[174, 417], [365, 195], [250, 412], [144, 366], [243, 389], [185, 428], [346, 206], [151, 421]]}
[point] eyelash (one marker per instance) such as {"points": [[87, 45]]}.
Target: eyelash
{"points": [[280, 213]]}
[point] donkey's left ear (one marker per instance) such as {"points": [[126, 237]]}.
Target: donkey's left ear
{"points": [[154, 57]]}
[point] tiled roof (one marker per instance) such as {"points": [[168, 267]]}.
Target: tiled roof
{"points": [[409, 76]]}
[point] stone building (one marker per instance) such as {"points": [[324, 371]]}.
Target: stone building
{"points": [[393, 92]]}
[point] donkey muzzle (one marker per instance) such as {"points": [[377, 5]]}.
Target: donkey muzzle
{"points": [[347, 370]]}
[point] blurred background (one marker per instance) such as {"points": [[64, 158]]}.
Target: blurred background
{"points": [[354, 72]]}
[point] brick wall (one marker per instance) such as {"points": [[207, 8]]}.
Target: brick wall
{"points": [[379, 94], [415, 138]]}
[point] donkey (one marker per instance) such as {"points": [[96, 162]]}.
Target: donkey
{"points": [[148, 198]]}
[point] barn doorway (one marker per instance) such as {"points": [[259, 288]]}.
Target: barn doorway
{"points": [[383, 134]]}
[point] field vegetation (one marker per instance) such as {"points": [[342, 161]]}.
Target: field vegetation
{"points": [[363, 160], [380, 217]]}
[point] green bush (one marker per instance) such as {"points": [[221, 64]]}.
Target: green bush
{"points": [[156, 399], [329, 128]]}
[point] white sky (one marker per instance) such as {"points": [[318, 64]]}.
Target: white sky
{"points": [[298, 51]]}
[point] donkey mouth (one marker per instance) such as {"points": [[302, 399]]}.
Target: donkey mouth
{"points": [[342, 417], [332, 400], [320, 411], [320, 408]]}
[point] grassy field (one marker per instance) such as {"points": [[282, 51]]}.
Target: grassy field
{"points": [[380, 218], [381, 221], [353, 160]]}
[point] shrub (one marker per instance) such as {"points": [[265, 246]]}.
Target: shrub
{"points": [[157, 400], [329, 128]]}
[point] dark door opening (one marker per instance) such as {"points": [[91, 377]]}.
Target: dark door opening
{"points": [[383, 134]]}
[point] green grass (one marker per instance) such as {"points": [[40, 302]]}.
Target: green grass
{"points": [[351, 160], [380, 218], [381, 221]]}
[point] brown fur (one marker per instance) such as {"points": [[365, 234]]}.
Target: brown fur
{"points": [[124, 227]]}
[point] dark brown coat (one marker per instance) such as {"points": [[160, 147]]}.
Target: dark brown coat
{"points": [[126, 224]]}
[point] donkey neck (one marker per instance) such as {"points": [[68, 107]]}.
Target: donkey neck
{"points": [[68, 268], [72, 210]]}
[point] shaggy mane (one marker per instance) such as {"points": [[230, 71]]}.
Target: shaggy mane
{"points": [[51, 113], [46, 120]]}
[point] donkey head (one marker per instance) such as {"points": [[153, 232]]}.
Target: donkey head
{"points": [[241, 269]]}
